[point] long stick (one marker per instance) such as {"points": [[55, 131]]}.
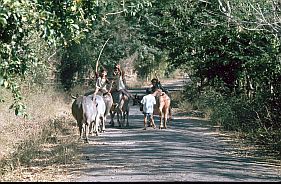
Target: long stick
{"points": [[97, 63]]}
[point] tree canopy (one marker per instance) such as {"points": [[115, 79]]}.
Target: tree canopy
{"points": [[62, 24]]}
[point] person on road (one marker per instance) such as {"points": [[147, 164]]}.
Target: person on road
{"points": [[148, 102], [157, 85], [102, 83], [119, 79]]}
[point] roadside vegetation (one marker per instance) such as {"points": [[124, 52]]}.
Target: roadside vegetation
{"points": [[40, 146], [250, 121]]}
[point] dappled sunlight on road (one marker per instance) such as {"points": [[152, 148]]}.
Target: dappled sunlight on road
{"points": [[183, 152]]}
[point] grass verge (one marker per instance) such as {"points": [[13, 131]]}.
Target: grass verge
{"points": [[43, 156], [43, 146]]}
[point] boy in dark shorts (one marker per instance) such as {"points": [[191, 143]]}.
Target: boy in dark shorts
{"points": [[148, 102]]}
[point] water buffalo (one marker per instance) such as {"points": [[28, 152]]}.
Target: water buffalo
{"points": [[100, 115], [108, 103], [84, 110]]}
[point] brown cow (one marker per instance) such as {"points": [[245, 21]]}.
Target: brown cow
{"points": [[121, 107], [162, 107]]}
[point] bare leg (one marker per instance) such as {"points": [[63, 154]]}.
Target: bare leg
{"points": [[144, 122], [152, 121]]}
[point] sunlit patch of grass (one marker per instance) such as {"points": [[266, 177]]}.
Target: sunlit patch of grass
{"points": [[179, 102], [176, 98], [181, 105], [140, 83]]}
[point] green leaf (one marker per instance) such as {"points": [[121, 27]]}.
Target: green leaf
{"points": [[75, 26], [6, 1], [1, 81], [3, 21], [6, 84]]}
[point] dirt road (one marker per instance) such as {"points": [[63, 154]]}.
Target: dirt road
{"points": [[189, 150]]}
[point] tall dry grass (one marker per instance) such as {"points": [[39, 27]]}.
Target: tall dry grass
{"points": [[43, 141]]}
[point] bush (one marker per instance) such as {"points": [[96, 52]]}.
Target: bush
{"points": [[251, 117]]}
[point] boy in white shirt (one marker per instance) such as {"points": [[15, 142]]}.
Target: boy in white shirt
{"points": [[148, 102], [119, 79]]}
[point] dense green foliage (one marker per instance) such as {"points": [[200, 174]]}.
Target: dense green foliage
{"points": [[62, 24]]}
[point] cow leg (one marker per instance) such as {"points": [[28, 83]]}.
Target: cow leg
{"points": [[123, 118], [127, 118], [112, 114], [121, 113], [166, 118], [80, 126], [83, 130], [170, 114], [103, 124], [168, 111], [99, 125], [161, 119], [119, 116], [97, 122], [94, 129], [86, 133], [91, 128]]}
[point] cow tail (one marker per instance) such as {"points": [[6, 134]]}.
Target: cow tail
{"points": [[170, 113]]}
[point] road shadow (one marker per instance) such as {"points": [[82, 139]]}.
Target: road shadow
{"points": [[186, 151]]}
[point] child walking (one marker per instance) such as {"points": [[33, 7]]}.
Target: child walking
{"points": [[148, 102]]}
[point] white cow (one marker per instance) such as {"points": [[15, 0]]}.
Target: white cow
{"points": [[100, 115]]}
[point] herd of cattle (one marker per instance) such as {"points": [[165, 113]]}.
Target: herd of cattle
{"points": [[91, 111]]}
